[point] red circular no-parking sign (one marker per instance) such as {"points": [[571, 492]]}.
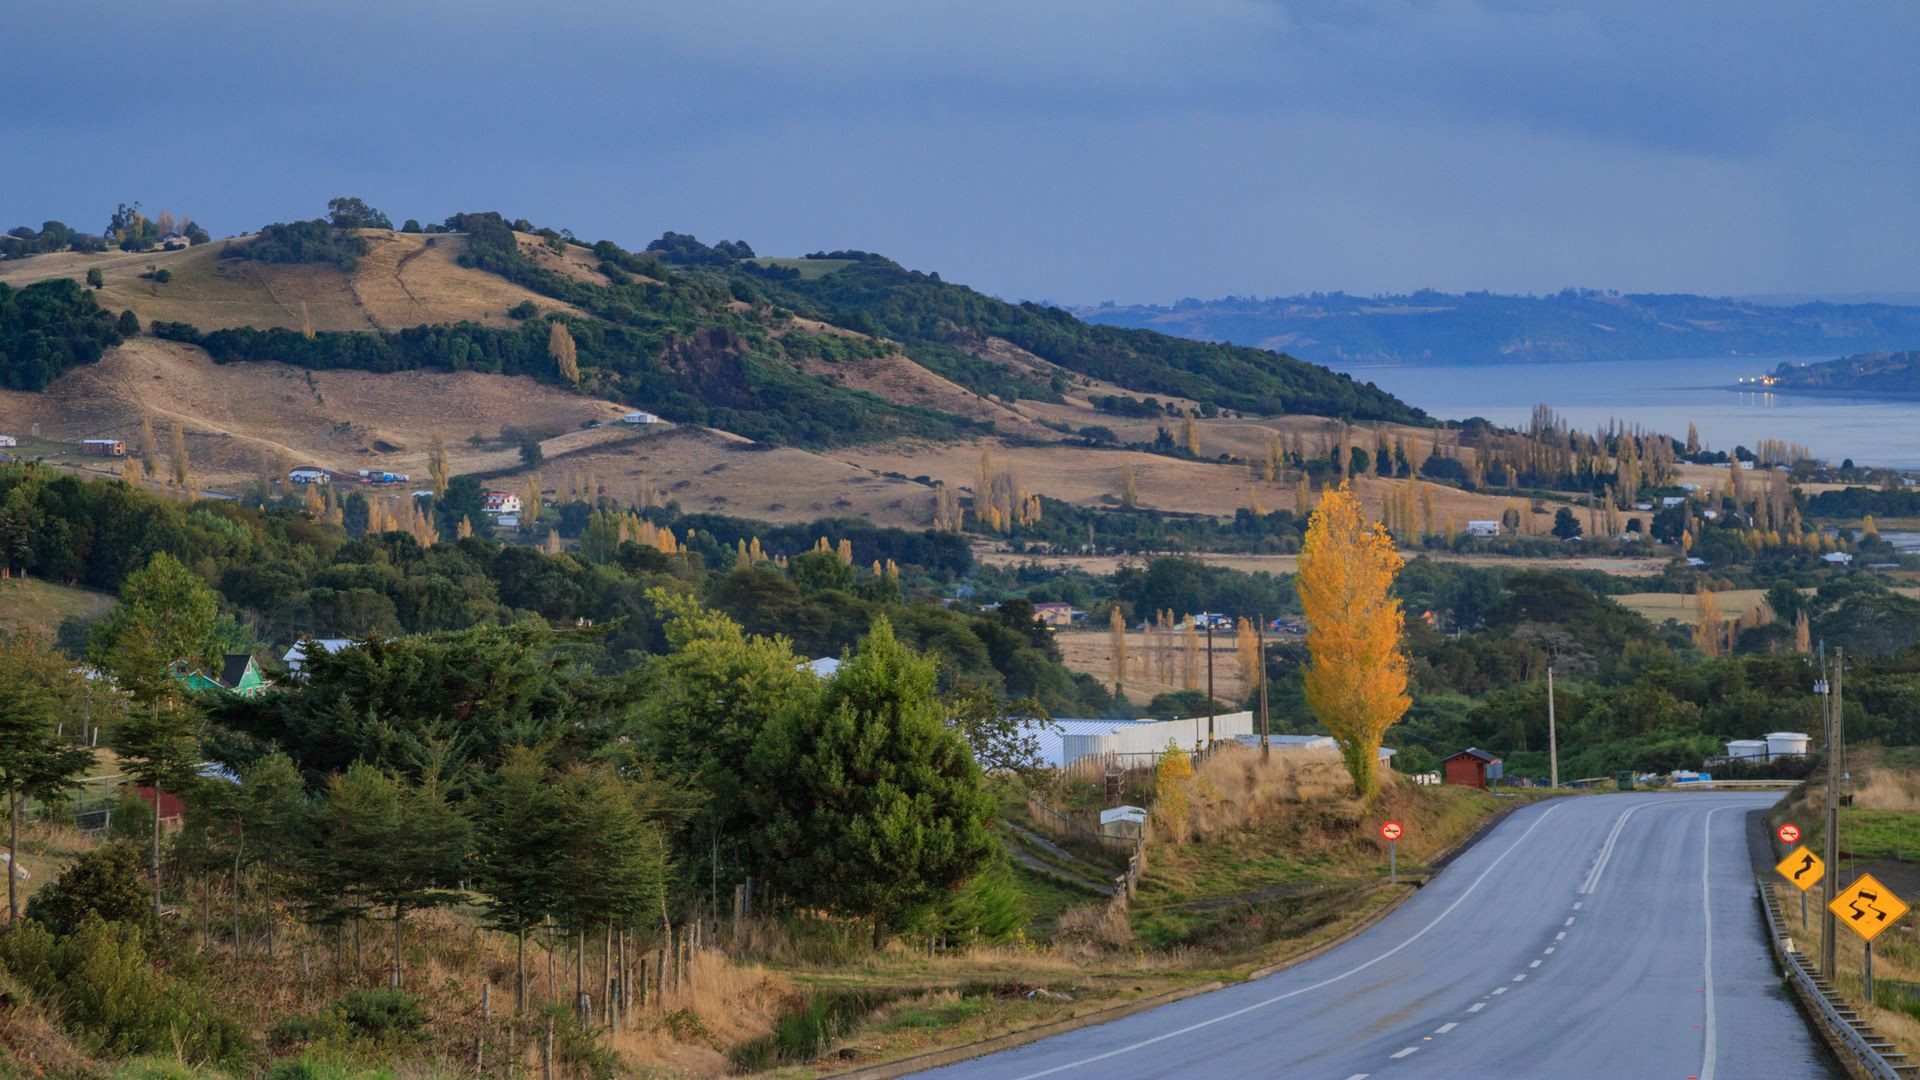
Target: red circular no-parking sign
{"points": [[1390, 830], [1789, 833]]}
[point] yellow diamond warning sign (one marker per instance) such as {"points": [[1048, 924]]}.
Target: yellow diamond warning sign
{"points": [[1802, 869], [1868, 907]]}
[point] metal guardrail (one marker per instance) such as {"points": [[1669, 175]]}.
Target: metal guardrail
{"points": [[1855, 1036]]}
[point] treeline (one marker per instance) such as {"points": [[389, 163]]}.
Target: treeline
{"points": [[50, 327], [313, 241], [1629, 694], [486, 768], [283, 573]]}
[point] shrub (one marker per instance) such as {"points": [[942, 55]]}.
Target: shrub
{"points": [[103, 883], [805, 1033], [310, 1067], [380, 1014], [112, 998]]}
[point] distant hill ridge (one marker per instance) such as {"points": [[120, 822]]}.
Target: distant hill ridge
{"points": [[1573, 325]]}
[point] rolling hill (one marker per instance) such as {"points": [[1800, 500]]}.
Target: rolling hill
{"points": [[848, 388]]}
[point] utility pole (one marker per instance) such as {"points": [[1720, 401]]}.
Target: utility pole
{"points": [[1264, 749], [1836, 740], [1209, 680], [1553, 736]]}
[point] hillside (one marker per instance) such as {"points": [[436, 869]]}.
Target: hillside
{"points": [[1893, 374], [1574, 325], [800, 387]]}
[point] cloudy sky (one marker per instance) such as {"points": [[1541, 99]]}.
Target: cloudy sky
{"points": [[1077, 150]]}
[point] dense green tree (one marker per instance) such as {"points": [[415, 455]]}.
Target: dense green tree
{"points": [[518, 832], [381, 841], [35, 762], [869, 804], [163, 627], [610, 866], [704, 704], [352, 212], [103, 883]]}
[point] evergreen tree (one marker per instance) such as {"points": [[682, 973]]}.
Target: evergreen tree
{"points": [[162, 627], [518, 835], [34, 761], [869, 805]]}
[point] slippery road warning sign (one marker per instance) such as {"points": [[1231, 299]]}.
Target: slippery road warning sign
{"points": [[1789, 833], [1868, 907], [1390, 830], [1802, 869]]}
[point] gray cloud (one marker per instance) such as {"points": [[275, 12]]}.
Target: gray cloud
{"points": [[1074, 149]]}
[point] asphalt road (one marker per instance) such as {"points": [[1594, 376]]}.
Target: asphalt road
{"points": [[1607, 936]]}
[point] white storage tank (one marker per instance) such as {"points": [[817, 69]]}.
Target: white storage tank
{"points": [[1787, 744], [1754, 750]]}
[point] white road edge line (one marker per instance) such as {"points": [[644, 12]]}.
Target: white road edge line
{"points": [[1446, 1027], [1405, 1052], [1329, 981], [1706, 908]]}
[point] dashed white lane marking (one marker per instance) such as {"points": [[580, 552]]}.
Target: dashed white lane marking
{"points": [[1359, 1076], [1444, 1028], [1535, 964], [1522, 977], [1561, 936], [1569, 921], [1500, 990], [1576, 905], [1235, 1014], [1476, 1006], [1549, 949], [1405, 1052]]}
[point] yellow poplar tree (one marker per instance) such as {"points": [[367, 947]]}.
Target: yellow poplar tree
{"points": [[1706, 632], [566, 357], [1117, 631], [149, 448], [1129, 488], [437, 465], [1356, 677], [1172, 777]]}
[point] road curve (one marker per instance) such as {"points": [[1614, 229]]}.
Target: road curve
{"points": [[1602, 936]]}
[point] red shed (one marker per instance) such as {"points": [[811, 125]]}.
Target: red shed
{"points": [[1472, 767]]}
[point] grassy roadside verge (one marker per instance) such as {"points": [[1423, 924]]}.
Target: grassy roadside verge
{"points": [[1272, 865]]}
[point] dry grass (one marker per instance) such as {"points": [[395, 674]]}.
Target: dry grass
{"points": [[30, 605], [1091, 652], [1888, 789], [1684, 608], [1234, 789], [1101, 565], [405, 279]]}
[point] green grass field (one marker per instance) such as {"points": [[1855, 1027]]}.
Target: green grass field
{"points": [[810, 269]]}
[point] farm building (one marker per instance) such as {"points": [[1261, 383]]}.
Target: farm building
{"points": [[8, 440], [1472, 767], [1053, 613], [104, 447], [500, 502], [308, 474], [639, 416], [1483, 528]]}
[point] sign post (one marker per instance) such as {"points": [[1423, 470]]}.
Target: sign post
{"points": [[1391, 830], [1868, 907], [1802, 869]]}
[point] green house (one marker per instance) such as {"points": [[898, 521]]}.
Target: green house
{"points": [[238, 675]]}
